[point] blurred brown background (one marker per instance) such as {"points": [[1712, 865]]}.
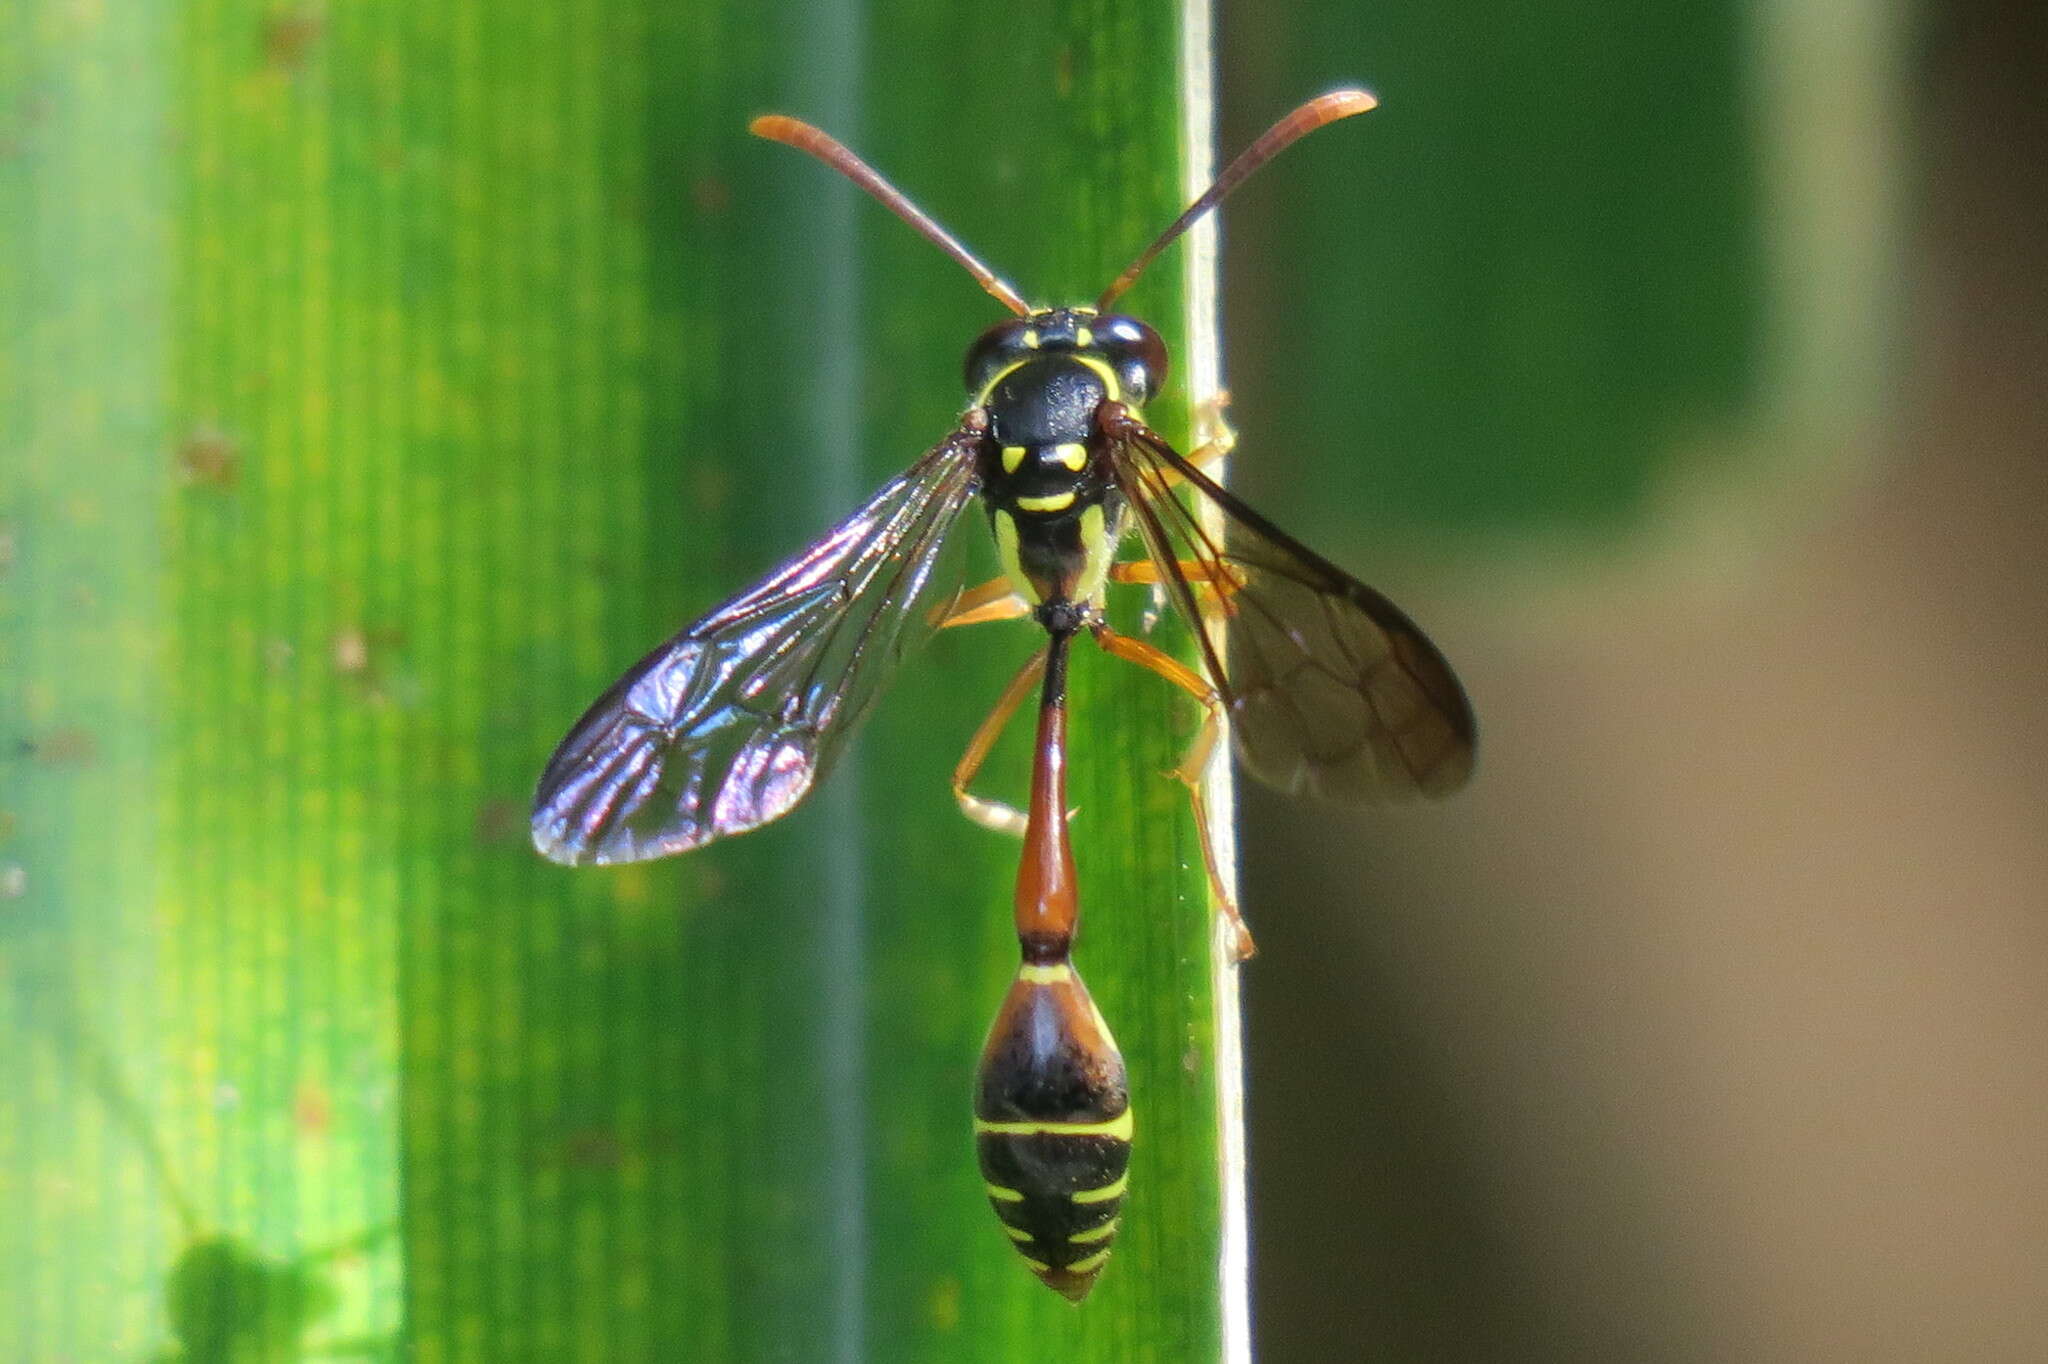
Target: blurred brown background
{"points": [[1709, 1024]]}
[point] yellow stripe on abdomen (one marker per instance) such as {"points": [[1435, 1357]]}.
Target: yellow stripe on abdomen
{"points": [[1117, 1128], [1114, 1189]]}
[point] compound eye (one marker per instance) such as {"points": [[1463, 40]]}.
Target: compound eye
{"points": [[992, 352], [1140, 354]]}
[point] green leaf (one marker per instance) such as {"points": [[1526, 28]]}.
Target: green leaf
{"points": [[379, 380]]}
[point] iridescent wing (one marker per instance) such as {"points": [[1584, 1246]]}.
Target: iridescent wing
{"points": [[730, 723], [1331, 690]]}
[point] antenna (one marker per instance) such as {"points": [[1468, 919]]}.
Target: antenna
{"points": [[1276, 139], [794, 132]]}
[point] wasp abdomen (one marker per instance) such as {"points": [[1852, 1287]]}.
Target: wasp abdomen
{"points": [[1052, 1126]]}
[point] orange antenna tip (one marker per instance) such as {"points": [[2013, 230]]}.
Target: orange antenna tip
{"points": [[1299, 123], [794, 132]]}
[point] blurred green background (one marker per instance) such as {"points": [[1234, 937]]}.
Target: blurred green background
{"points": [[376, 381]]}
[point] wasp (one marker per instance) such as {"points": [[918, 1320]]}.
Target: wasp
{"points": [[1324, 687]]}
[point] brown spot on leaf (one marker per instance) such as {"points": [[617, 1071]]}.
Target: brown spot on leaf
{"points": [[351, 653], [312, 1110], [710, 195], [68, 746], [289, 35], [209, 459], [592, 1148], [500, 821]]}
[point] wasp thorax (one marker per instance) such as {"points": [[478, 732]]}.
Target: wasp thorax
{"points": [[1132, 352]]}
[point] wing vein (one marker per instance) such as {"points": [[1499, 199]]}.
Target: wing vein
{"points": [[1330, 688], [731, 722]]}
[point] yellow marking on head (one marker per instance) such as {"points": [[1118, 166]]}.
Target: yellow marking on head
{"points": [[1017, 1233], [1003, 1195], [1052, 502], [1031, 338], [1045, 975], [1006, 550], [1114, 1189], [1083, 337], [1117, 1128], [1098, 549], [1088, 1265], [1013, 455], [1101, 1233], [981, 398], [1073, 454], [1106, 374]]}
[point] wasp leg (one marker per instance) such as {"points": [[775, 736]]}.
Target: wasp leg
{"points": [[1217, 436], [1192, 766], [993, 814], [995, 599], [1146, 573], [1201, 579]]}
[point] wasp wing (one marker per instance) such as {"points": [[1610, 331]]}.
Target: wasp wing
{"points": [[1331, 690], [729, 724]]}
